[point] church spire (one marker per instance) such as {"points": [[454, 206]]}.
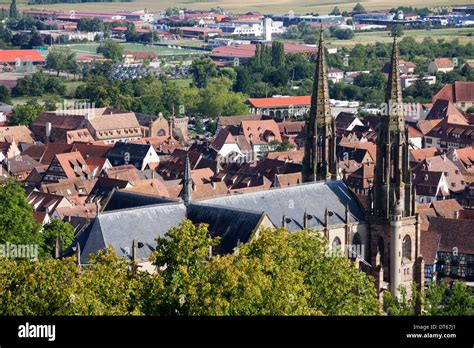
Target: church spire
{"points": [[392, 171], [320, 139], [187, 182], [393, 96]]}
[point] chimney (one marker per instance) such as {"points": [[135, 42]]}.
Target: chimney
{"points": [[48, 127], [456, 214]]}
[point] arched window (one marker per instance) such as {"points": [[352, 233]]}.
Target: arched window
{"points": [[161, 132], [406, 247], [336, 243], [356, 240]]}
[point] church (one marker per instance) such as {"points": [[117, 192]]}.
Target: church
{"points": [[382, 238]]}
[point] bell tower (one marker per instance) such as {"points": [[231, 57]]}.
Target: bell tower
{"points": [[394, 229]]}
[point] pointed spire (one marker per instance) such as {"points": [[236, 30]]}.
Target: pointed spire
{"points": [[348, 216], [187, 181], [319, 161], [78, 254], [393, 95], [58, 248]]}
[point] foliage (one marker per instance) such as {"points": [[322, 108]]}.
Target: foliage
{"points": [[5, 95], [150, 95], [335, 11], [25, 114], [59, 287], [17, 223], [111, 50], [37, 85], [61, 58], [202, 70], [396, 30], [276, 274], [13, 10], [54, 230], [358, 9], [281, 146], [342, 34], [438, 299]]}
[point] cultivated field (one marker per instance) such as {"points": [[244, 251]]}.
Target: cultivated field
{"points": [[91, 48], [264, 6], [464, 35]]}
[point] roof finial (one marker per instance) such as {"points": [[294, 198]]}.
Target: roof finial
{"points": [[187, 181]]}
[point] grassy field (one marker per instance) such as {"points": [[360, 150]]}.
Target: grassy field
{"points": [[91, 48], [264, 6], [183, 82], [419, 35], [71, 87]]}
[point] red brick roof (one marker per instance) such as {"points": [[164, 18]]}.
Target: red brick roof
{"points": [[280, 101], [8, 56]]}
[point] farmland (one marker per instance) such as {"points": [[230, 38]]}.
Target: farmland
{"points": [[268, 7]]}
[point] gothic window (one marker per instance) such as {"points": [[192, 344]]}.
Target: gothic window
{"points": [[336, 243], [406, 247], [356, 240]]}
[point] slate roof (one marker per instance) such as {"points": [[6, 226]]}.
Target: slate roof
{"points": [[119, 228], [294, 200], [137, 153], [127, 200], [230, 224]]}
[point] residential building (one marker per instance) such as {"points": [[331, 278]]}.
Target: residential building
{"points": [[440, 65], [460, 93]]}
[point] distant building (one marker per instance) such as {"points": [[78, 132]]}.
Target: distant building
{"points": [[460, 93], [335, 75], [21, 60], [280, 107], [440, 65]]}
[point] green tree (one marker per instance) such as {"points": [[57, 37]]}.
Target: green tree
{"points": [[35, 39], [202, 70], [111, 50], [358, 8], [438, 299], [59, 59], [60, 287], [17, 223], [278, 54], [181, 254], [5, 95], [25, 114], [396, 30], [54, 230], [13, 10], [335, 11]]}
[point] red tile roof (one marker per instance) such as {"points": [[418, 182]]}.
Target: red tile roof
{"points": [[459, 91], [280, 101], [8, 56], [443, 62], [257, 132]]}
